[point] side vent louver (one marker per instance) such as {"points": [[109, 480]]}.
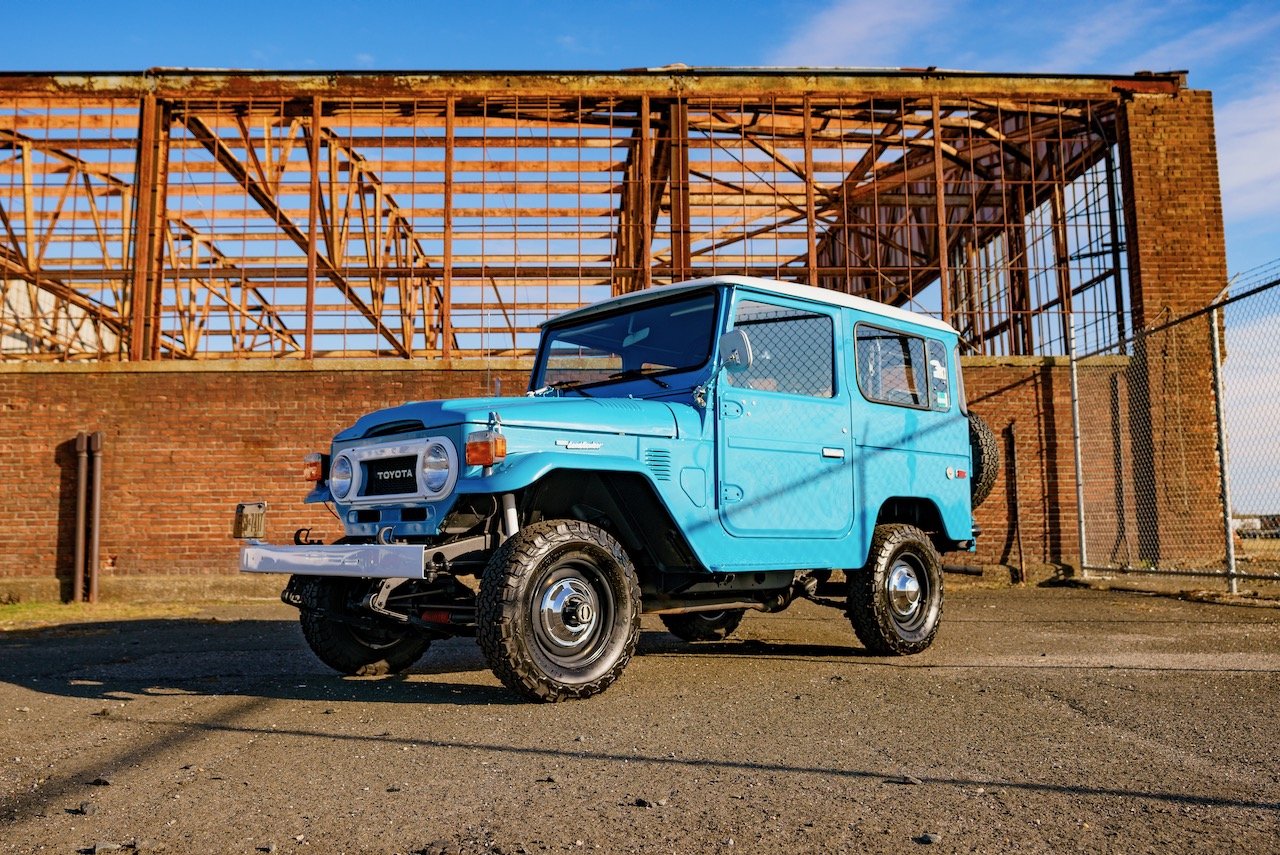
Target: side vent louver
{"points": [[659, 462]]}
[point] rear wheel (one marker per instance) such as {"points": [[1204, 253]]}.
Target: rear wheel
{"points": [[703, 626], [558, 614], [895, 601], [348, 649]]}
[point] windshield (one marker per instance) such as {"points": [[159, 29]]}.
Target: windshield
{"points": [[647, 340]]}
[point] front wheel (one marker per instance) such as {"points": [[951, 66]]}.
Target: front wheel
{"points": [[703, 626], [348, 649], [558, 613], [895, 601]]}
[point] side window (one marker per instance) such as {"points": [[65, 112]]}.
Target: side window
{"points": [[939, 377], [793, 351], [902, 369]]}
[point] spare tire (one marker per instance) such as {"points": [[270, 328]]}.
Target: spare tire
{"points": [[985, 452]]}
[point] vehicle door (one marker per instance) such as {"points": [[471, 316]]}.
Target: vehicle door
{"points": [[783, 442], [913, 442]]}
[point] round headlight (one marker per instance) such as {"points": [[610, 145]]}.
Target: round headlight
{"points": [[435, 468], [340, 477]]}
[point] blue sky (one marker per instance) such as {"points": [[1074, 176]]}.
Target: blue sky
{"points": [[1232, 49]]}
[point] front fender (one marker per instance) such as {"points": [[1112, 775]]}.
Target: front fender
{"points": [[521, 470], [319, 495]]}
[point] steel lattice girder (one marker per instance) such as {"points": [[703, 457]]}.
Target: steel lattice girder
{"points": [[200, 215]]}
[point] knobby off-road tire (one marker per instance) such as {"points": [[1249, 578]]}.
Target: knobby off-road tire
{"points": [[703, 626], [345, 648], [985, 452], [895, 601], [559, 611]]}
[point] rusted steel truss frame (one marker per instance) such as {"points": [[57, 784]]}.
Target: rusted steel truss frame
{"points": [[57, 325], [261, 193], [692, 182]]}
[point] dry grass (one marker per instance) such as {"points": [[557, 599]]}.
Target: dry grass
{"points": [[37, 615]]}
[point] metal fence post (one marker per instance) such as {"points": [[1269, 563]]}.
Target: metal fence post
{"points": [[1075, 442], [1223, 472]]}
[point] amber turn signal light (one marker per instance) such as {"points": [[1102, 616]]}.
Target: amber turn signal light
{"points": [[313, 467], [485, 448]]}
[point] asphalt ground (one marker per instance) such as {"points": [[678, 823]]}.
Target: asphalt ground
{"points": [[1042, 720]]}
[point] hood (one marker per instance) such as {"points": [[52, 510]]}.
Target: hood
{"points": [[597, 415]]}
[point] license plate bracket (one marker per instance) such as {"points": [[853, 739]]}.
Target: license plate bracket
{"points": [[251, 521]]}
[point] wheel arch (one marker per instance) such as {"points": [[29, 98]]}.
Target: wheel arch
{"points": [[916, 511], [625, 504]]}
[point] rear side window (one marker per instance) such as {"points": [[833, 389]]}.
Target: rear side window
{"points": [[793, 351], [939, 380], [902, 369]]}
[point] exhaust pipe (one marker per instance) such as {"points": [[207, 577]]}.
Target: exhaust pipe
{"points": [[717, 606]]}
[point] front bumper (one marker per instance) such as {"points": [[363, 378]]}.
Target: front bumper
{"points": [[365, 561]]}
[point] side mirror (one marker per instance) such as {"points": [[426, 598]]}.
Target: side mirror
{"points": [[735, 351]]}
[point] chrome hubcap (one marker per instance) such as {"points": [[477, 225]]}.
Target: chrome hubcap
{"points": [[568, 613], [904, 590]]}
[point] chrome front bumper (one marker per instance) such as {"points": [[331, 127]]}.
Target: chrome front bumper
{"points": [[367, 561]]}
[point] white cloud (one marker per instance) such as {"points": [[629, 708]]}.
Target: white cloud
{"points": [[1250, 376], [1248, 132], [860, 33], [1096, 37], [364, 60], [1213, 41]]}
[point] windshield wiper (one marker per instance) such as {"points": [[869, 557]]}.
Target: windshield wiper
{"points": [[565, 386], [633, 373]]}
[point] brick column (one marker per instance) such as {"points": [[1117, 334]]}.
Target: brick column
{"points": [[1177, 264]]}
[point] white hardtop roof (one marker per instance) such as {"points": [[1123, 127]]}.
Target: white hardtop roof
{"points": [[770, 286]]}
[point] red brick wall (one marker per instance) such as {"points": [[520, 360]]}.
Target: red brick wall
{"points": [[182, 447], [182, 444], [1027, 402]]}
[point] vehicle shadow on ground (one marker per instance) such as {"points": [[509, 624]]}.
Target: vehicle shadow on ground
{"points": [[268, 659], [251, 663], [123, 660], [665, 644]]}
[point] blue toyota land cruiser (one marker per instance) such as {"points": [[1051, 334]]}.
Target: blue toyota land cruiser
{"points": [[693, 451]]}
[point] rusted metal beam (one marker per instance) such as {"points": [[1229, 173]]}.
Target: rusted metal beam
{"points": [[810, 212], [313, 225], [399, 232], [220, 151], [267, 318], [446, 298], [626, 237], [147, 229], [648, 210], [693, 82], [940, 213], [681, 229], [12, 265]]}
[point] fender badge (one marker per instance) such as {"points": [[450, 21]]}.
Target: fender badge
{"points": [[579, 445]]}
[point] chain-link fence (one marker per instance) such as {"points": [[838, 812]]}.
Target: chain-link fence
{"points": [[1251, 380], [1175, 441]]}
